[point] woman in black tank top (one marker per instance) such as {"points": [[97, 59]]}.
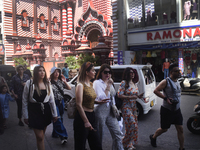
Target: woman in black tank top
{"points": [[38, 104]]}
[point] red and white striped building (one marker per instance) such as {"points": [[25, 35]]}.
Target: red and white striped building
{"points": [[43, 31]]}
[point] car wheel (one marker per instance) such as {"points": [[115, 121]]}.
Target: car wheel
{"points": [[67, 99], [139, 110]]}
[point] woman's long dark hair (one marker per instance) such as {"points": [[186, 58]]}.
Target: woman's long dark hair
{"points": [[126, 76], [59, 77], [102, 68], [36, 77]]}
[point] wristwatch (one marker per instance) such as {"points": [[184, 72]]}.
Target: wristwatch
{"points": [[165, 99]]}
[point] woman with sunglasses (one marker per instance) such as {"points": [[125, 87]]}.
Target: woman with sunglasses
{"points": [[39, 105], [128, 92], [84, 121], [104, 89]]}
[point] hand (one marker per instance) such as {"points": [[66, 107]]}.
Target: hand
{"points": [[89, 126], [141, 95], [169, 100], [26, 121], [102, 101], [24, 83], [15, 95], [110, 81], [55, 119], [63, 78]]}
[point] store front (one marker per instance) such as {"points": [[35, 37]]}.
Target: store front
{"points": [[177, 44]]}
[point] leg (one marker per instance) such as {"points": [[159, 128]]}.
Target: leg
{"points": [[115, 132], [1, 122], [158, 132], [80, 133], [180, 135], [101, 112], [93, 136], [19, 111], [40, 138]]}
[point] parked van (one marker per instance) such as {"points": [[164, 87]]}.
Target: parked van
{"points": [[146, 85]]}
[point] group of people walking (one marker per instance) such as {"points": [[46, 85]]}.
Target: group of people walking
{"points": [[40, 100]]}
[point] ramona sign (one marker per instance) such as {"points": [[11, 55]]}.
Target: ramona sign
{"points": [[185, 33], [165, 36]]}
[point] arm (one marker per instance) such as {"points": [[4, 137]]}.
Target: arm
{"points": [[159, 88], [12, 87], [65, 83], [101, 94], [52, 105], [79, 100], [25, 101]]}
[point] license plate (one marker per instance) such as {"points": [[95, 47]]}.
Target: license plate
{"points": [[152, 103]]}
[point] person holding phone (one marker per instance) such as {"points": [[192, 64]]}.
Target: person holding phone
{"points": [[128, 92], [84, 121], [103, 86]]}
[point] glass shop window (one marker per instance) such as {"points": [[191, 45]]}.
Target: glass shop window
{"points": [[148, 76], [190, 10], [151, 13]]}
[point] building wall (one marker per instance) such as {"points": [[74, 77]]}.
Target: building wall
{"points": [[26, 34]]}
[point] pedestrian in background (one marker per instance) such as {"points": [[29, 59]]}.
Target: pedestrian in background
{"points": [[170, 112], [59, 83], [65, 71], [4, 101], [84, 121], [27, 71], [128, 92], [38, 104], [18, 82], [104, 115]]}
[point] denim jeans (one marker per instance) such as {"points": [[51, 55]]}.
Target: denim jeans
{"points": [[166, 73]]}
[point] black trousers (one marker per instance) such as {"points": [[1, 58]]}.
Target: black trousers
{"points": [[81, 133], [1, 121], [19, 108]]}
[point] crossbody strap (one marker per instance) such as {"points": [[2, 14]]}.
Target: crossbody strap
{"points": [[29, 90], [61, 92]]}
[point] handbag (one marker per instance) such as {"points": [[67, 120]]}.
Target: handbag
{"points": [[118, 102], [114, 108], [71, 108]]}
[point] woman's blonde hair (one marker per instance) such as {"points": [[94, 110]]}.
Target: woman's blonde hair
{"points": [[45, 80]]}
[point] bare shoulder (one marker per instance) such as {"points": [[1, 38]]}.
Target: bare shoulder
{"points": [[79, 86], [162, 84]]}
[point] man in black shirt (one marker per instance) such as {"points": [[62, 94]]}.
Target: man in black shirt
{"points": [[27, 71]]}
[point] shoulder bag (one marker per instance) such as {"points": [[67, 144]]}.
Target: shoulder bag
{"points": [[71, 108], [114, 108]]}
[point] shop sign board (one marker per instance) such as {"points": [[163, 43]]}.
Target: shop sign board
{"points": [[165, 36], [120, 57]]}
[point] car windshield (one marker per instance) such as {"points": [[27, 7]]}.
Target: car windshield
{"points": [[148, 76]]}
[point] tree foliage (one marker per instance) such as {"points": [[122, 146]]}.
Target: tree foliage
{"points": [[72, 63], [20, 61], [86, 57]]}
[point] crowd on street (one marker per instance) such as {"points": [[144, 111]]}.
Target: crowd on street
{"points": [[40, 102]]}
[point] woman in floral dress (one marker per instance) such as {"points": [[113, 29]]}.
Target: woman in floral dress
{"points": [[128, 91]]}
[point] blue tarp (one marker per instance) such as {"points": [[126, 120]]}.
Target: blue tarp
{"points": [[193, 44]]}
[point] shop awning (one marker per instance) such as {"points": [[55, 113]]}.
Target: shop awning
{"points": [[193, 44]]}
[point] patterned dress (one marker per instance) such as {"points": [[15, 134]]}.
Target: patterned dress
{"points": [[129, 113]]}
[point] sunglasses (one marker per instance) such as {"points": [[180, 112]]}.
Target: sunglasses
{"points": [[106, 72]]}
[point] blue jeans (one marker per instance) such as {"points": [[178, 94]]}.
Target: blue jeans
{"points": [[58, 127], [166, 73]]}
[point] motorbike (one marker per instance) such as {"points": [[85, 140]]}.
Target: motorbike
{"points": [[189, 85], [193, 123]]}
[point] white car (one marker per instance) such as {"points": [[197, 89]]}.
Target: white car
{"points": [[146, 85]]}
